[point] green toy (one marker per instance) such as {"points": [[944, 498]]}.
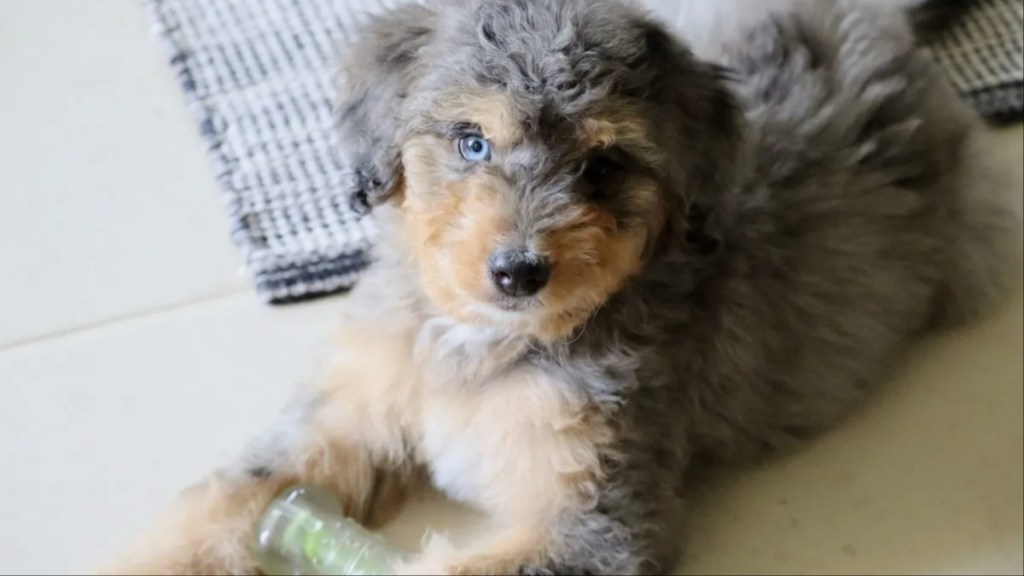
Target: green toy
{"points": [[303, 532]]}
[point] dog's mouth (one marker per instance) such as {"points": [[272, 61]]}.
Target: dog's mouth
{"points": [[516, 304], [532, 316], [507, 312]]}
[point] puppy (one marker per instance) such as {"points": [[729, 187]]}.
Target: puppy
{"points": [[603, 259]]}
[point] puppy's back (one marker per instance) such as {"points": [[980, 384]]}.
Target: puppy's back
{"points": [[858, 221]]}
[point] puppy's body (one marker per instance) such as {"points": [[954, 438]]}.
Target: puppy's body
{"points": [[755, 254]]}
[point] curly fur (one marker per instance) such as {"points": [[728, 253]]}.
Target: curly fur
{"points": [[798, 203]]}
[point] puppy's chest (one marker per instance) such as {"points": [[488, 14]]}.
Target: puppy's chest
{"points": [[490, 424], [456, 450], [461, 369], [455, 355], [517, 432]]}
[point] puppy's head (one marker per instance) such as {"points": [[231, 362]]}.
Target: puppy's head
{"points": [[549, 149]]}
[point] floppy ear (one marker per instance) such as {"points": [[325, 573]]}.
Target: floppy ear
{"points": [[373, 84], [701, 129]]}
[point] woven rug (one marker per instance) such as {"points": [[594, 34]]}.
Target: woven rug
{"points": [[259, 73]]}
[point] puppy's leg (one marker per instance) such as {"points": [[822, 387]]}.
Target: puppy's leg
{"points": [[630, 536], [590, 544], [342, 434]]}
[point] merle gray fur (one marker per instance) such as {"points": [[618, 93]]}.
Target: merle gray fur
{"points": [[825, 208]]}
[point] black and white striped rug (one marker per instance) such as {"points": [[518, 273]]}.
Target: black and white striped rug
{"points": [[984, 55], [258, 74]]}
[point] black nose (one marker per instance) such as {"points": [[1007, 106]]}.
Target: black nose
{"points": [[518, 273]]}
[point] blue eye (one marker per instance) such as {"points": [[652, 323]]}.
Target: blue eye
{"points": [[475, 148]]}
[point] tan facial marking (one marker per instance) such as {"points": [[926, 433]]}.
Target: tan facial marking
{"points": [[620, 127], [592, 257], [454, 225], [493, 112]]}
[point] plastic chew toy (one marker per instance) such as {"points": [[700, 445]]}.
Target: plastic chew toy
{"points": [[304, 532]]}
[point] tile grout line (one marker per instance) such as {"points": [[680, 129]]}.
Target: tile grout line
{"points": [[120, 319]]}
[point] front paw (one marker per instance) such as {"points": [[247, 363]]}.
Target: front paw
{"points": [[433, 566], [440, 558], [435, 559]]}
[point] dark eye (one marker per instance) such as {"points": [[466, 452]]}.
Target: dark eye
{"points": [[598, 174], [475, 148]]}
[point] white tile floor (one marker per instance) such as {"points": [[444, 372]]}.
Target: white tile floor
{"points": [[133, 355]]}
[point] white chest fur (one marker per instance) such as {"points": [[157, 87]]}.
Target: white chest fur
{"points": [[459, 365], [495, 432], [509, 443], [454, 455], [513, 433]]}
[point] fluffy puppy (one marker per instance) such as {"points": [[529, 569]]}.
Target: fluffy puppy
{"points": [[603, 259]]}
